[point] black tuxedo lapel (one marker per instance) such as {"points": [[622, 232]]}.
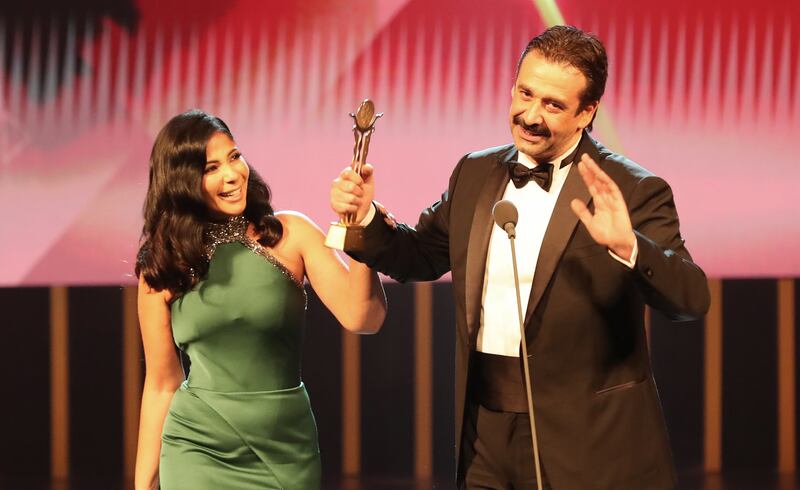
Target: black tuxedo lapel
{"points": [[559, 230], [492, 190]]}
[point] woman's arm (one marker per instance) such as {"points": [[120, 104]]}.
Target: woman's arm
{"points": [[162, 378], [353, 294]]}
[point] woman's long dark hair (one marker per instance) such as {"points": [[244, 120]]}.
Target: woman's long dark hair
{"points": [[172, 252]]}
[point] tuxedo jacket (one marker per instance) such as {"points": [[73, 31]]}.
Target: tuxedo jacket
{"points": [[598, 414]]}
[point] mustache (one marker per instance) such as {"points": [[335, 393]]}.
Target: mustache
{"points": [[535, 129]]}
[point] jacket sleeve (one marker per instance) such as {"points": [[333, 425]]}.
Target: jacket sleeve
{"points": [[406, 253], [664, 273]]}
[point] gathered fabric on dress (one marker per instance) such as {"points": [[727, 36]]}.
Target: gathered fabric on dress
{"points": [[242, 419]]}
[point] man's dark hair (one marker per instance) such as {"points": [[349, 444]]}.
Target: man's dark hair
{"points": [[568, 44]]}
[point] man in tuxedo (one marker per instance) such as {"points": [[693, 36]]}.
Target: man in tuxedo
{"points": [[597, 240]]}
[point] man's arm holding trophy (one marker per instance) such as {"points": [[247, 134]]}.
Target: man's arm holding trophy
{"points": [[370, 234], [355, 192]]}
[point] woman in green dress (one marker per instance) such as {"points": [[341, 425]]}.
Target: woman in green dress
{"points": [[221, 276]]}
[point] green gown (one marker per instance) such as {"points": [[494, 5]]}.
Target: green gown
{"points": [[242, 419]]}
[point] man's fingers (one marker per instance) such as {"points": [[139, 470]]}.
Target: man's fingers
{"points": [[594, 169], [591, 167], [605, 199], [581, 211], [589, 172], [350, 187], [349, 191], [348, 209], [345, 173], [350, 176], [589, 162], [347, 186], [584, 171], [341, 207], [367, 171], [341, 196], [588, 178], [608, 194], [603, 189], [342, 203]]}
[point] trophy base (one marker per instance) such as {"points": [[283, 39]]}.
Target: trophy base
{"points": [[343, 237]]}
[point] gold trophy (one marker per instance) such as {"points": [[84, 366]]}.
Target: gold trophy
{"points": [[347, 233]]}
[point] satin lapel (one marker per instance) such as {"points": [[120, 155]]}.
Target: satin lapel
{"points": [[559, 230], [492, 190]]}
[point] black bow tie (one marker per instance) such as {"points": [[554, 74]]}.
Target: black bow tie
{"points": [[542, 174]]}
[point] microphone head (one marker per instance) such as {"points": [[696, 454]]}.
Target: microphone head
{"points": [[505, 213]]}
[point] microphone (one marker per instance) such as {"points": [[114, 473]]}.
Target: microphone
{"points": [[505, 216]]}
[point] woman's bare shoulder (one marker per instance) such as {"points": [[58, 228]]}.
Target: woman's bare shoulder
{"points": [[297, 222]]}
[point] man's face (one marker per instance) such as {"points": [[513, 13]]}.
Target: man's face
{"points": [[544, 116]]}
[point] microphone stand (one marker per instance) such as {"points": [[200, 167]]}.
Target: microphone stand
{"points": [[509, 228]]}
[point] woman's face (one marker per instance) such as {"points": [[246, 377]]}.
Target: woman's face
{"points": [[225, 177]]}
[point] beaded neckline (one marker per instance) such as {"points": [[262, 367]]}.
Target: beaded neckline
{"points": [[234, 229]]}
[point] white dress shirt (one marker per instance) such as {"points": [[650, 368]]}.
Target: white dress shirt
{"points": [[499, 328]]}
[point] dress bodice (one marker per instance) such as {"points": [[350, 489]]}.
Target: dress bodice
{"points": [[242, 324]]}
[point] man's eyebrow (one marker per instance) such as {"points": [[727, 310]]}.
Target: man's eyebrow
{"points": [[549, 98], [556, 100]]}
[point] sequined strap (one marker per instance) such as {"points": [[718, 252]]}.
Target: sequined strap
{"points": [[260, 250], [234, 229]]}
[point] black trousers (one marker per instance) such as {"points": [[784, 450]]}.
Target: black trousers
{"points": [[497, 452]]}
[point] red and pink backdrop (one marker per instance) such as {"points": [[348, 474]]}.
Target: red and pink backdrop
{"points": [[705, 95]]}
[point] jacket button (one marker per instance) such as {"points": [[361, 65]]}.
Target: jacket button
{"points": [[648, 272]]}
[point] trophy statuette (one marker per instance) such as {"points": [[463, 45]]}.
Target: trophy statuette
{"points": [[346, 233]]}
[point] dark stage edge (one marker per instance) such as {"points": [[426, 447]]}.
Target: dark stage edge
{"points": [[745, 480]]}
